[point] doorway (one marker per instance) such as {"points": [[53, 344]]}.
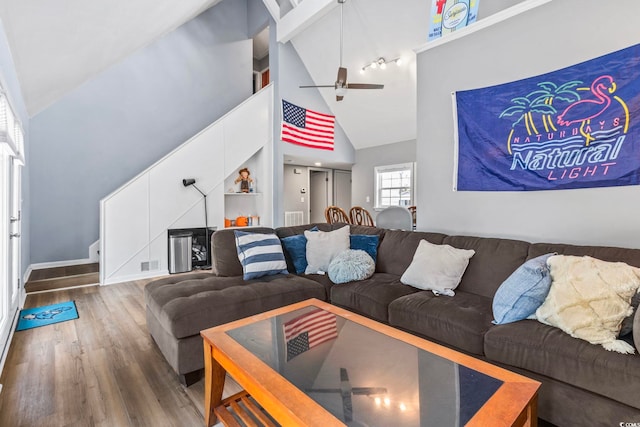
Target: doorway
{"points": [[10, 199], [319, 194], [342, 189]]}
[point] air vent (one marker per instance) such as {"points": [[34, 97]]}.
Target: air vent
{"points": [[149, 265], [292, 218]]}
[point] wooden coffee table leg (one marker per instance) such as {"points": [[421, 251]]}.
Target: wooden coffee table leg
{"points": [[214, 376]]}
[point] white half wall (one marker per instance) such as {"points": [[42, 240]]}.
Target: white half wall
{"points": [[135, 218]]}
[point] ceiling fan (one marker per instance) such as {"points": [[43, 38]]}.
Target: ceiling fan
{"points": [[341, 84]]}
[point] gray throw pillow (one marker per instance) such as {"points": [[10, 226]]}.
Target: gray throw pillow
{"points": [[636, 331]]}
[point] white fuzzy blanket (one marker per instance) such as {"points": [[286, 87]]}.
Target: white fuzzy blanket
{"points": [[589, 298]]}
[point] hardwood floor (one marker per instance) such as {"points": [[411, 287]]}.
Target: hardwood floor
{"points": [[102, 369]]}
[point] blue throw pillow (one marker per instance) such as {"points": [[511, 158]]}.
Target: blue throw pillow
{"points": [[296, 247], [523, 292], [367, 243], [260, 254]]}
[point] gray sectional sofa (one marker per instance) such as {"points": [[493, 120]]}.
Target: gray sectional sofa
{"points": [[582, 384]]}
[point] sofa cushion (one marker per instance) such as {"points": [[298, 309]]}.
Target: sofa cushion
{"points": [[493, 262], [191, 305], [260, 254], [300, 229], [605, 253], [224, 256], [523, 292], [370, 297], [589, 298], [397, 248], [437, 268], [548, 351], [323, 246], [458, 321]]}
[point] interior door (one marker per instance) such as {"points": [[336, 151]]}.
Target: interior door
{"points": [[318, 195], [15, 230], [6, 306], [342, 189]]}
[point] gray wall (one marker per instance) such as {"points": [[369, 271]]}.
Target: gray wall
{"points": [[291, 197], [362, 173], [110, 129], [289, 72], [514, 49], [257, 17], [11, 85]]}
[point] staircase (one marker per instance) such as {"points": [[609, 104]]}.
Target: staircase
{"points": [[48, 279]]}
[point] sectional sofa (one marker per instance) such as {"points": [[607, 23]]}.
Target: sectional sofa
{"points": [[582, 384]]}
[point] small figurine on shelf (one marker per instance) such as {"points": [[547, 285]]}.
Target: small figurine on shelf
{"points": [[244, 179]]}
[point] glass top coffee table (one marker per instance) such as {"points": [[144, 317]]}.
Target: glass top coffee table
{"points": [[314, 364]]}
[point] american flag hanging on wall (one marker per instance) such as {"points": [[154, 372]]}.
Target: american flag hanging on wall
{"points": [[307, 331], [307, 128]]}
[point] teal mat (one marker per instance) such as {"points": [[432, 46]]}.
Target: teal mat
{"points": [[41, 316]]}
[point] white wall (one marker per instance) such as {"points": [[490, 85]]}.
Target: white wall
{"points": [[136, 217], [552, 36], [288, 72]]}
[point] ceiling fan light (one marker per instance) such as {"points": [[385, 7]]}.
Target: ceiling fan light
{"points": [[341, 91]]}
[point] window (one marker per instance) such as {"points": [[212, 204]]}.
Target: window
{"points": [[394, 185]]}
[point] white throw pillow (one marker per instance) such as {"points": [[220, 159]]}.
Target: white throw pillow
{"points": [[438, 268], [323, 246], [589, 298]]}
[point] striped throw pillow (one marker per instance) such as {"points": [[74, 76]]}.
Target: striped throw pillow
{"points": [[260, 254]]}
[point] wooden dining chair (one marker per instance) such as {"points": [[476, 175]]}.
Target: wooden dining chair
{"points": [[335, 214], [412, 209], [360, 216]]}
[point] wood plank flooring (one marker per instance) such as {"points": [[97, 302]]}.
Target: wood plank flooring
{"points": [[102, 369]]}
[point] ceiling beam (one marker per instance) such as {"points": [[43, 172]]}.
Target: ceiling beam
{"points": [[273, 8], [302, 16]]}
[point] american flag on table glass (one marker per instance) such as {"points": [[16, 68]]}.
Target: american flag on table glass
{"points": [[305, 127], [307, 331]]}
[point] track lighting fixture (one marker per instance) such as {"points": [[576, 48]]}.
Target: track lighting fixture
{"points": [[381, 63]]}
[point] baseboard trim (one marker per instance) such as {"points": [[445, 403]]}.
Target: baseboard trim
{"points": [[53, 264], [133, 277], [5, 350]]}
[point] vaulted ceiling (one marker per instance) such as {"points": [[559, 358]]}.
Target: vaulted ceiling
{"points": [[372, 29], [59, 45]]}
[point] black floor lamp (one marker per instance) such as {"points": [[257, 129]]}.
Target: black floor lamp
{"points": [[187, 182]]}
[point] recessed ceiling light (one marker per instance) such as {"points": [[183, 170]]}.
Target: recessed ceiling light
{"points": [[318, 164]]}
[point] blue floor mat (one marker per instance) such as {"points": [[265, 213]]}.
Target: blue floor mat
{"points": [[47, 315]]}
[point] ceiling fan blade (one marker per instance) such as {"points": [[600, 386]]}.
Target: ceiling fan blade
{"points": [[364, 86], [339, 98], [342, 77], [304, 87]]}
